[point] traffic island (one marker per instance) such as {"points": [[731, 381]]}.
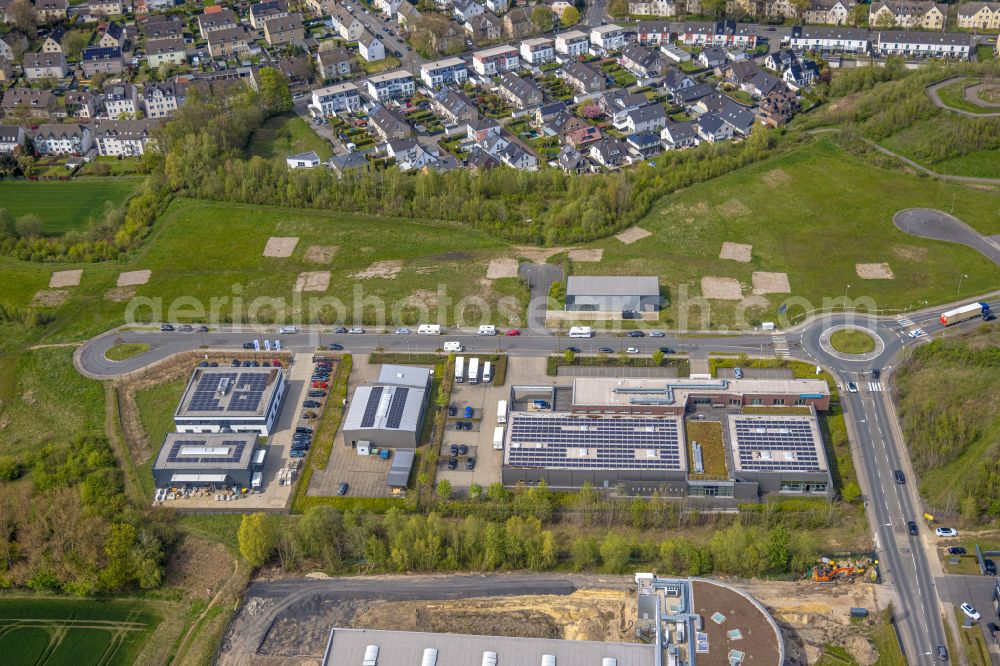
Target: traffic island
{"points": [[852, 341], [855, 342]]}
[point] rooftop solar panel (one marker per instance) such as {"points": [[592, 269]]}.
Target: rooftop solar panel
{"points": [[371, 409], [176, 455], [777, 444], [396, 408]]}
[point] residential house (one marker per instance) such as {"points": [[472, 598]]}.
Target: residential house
{"points": [[308, 160], [565, 123], [450, 39], [979, 16], [498, 7], [571, 160], [124, 138], [517, 24], [344, 164], [653, 33], [712, 128], [607, 38], [297, 69], [53, 41], [558, 7], [98, 10], [485, 27], [221, 20], [537, 50], [322, 7], [444, 72], [830, 12], [546, 112], [160, 100], [170, 51], [643, 145], [29, 102], [641, 62], [924, 14], [711, 57], [388, 7], [284, 30], [51, 11], [333, 63], [674, 54], [331, 100], [71, 139], [370, 47], [780, 60], [143, 7], [388, 124], [11, 42], [677, 136], [952, 45], [690, 94], [829, 40], [113, 35], [738, 73], [105, 60], [406, 14], [38, 66], [226, 42], [652, 8], [801, 75], [777, 107], [455, 106], [583, 78], [463, 10], [737, 117], [482, 129], [397, 84], [162, 27], [523, 93], [120, 99], [517, 157], [572, 43], [609, 152], [675, 80], [618, 103], [270, 9], [761, 84], [11, 137], [409, 154], [724, 34], [6, 69], [347, 24], [649, 118], [490, 62]]}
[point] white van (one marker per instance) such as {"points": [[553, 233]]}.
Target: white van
{"points": [[453, 346], [429, 329], [487, 329], [291, 330], [580, 332]]}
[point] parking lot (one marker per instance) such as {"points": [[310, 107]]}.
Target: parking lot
{"points": [[483, 399]]}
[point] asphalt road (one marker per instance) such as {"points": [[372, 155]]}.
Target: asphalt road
{"points": [[934, 224]]}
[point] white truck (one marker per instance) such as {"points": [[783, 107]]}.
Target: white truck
{"points": [[498, 437], [487, 329], [429, 329], [459, 369], [502, 411], [474, 370], [487, 372]]}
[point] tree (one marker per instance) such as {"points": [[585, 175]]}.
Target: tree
{"points": [[584, 552], [7, 225], [275, 96], [658, 357], [569, 355], [444, 489], [542, 17], [778, 549], [618, 8], [801, 7], [616, 553], [29, 226], [850, 492], [570, 16], [257, 538], [475, 491], [885, 20], [21, 14], [858, 16], [713, 7], [638, 512], [970, 510], [73, 44], [496, 492]]}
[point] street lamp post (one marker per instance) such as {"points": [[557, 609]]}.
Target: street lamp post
{"points": [[960, 278], [845, 297]]}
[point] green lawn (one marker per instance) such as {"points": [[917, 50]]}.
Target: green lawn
{"points": [[986, 52], [848, 341], [126, 351], [812, 213], [907, 142], [980, 164], [954, 96], [96, 632], [282, 136], [64, 205]]}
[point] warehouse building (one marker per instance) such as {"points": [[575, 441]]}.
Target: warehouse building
{"points": [[608, 293], [224, 459], [231, 400], [391, 411]]}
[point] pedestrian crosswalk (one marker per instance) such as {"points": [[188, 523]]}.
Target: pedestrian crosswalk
{"points": [[904, 323], [780, 344], [875, 387]]}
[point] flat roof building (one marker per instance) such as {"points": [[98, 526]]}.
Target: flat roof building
{"points": [[399, 471], [390, 412], [231, 399], [223, 459], [611, 293]]}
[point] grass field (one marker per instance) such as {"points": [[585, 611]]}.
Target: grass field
{"points": [[848, 341], [52, 632], [126, 351], [804, 213], [63, 205], [978, 164], [282, 136]]}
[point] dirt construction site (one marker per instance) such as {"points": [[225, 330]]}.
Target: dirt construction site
{"points": [[287, 621]]}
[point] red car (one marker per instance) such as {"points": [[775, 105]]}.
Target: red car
{"points": [[319, 385], [513, 332]]}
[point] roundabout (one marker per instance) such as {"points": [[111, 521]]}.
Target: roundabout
{"points": [[852, 342], [978, 98]]}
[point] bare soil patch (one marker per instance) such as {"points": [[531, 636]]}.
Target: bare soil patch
{"points": [[320, 254], [425, 298], [50, 298], [504, 267], [755, 302], [280, 246], [65, 278], [632, 235], [990, 94], [736, 252], [539, 255], [733, 208], [911, 252], [770, 283], [312, 281], [385, 270], [119, 294], [198, 566], [776, 178], [874, 271], [720, 288], [594, 254], [130, 278]]}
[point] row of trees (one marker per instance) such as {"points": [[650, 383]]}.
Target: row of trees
{"points": [[404, 543]]}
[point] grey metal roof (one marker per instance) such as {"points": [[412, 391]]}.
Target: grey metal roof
{"points": [[375, 401], [613, 285], [399, 473], [404, 375], [197, 452]]}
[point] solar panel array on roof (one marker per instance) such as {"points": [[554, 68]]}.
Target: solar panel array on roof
{"points": [[396, 408], [371, 409], [594, 443], [248, 391], [229, 391], [176, 454], [206, 398], [777, 445]]}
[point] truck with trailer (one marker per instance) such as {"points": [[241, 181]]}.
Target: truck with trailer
{"points": [[498, 437], [502, 411], [474, 370], [459, 369], [965, 313]]}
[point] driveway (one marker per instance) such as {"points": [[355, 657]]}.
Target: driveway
{"points": [[539, 278]]}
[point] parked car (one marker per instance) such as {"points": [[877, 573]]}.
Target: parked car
{"points": [[333, 346], [185, 328], [957, 550], [470, 464], [946, 532], [402, 331], [463, 450], [342, 488], [297, 453], [738, 373], [990, 567], [312, 404], [575, 350], [317, 394], [166, 328], [203, 329], [667, 350], [513, 332], [911, 526], [303, 429], [992, 627], [636, 334], [340, 329], [247, 345], [970, 611], [452, 410], [942, 653], [319, 384], [468, 411], [606, 350], [357, 330], [235, 363], [454, 450], [452, 463], [632, 350], [656, 334]]}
